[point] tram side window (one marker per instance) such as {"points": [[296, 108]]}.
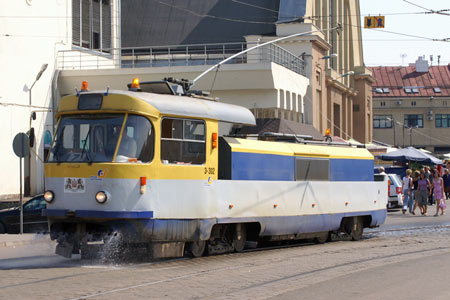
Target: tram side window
{"points": [[183, 141], [312, 169]]}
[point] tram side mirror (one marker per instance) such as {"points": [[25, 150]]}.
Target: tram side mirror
{"points": [[33, 115], [31, 138]]}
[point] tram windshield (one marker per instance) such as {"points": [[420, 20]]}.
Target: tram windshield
{"points": [[94, 138]]}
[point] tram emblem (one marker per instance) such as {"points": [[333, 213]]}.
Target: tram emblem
{"points": [[101, 173], [74, 185]]}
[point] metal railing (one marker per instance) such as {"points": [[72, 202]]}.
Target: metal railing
{"points": [[171, 56]]}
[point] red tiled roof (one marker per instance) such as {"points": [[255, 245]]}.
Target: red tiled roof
{"points": [[397, 78]]}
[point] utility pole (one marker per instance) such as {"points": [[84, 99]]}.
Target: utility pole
{"points": [[393, 121], [403, 135], [410, 136], [394, 132]]}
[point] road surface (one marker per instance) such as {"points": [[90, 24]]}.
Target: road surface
{"points": [[408, 258]]}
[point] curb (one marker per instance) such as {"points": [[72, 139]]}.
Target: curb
{"points": [[25, 242]]}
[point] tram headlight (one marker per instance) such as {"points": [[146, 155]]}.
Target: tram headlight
{"points": [[101, 197], [49, 196]]}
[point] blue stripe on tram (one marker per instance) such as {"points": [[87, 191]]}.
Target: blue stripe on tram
{"points": [[256, 166], [100, 214], [351, 169]]}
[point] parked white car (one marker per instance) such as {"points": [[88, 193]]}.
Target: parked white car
{"points": [[395, 191]]}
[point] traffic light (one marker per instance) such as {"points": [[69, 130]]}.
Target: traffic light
{"points": [[374, 22]]}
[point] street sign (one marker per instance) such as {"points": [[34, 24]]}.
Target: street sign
{"points": [[21, 149], [374, 22], [20, 145]]}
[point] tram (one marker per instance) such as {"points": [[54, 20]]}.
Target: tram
{"points": [[164, 173]]}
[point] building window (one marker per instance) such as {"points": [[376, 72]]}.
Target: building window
{"points": [[382, 103], [378, 90], [291, 10], [436, 90], [282, 103], [413, 103], [382, 121], [356, 107], [442, 121], [319, 79], [91, 24], [414, 121], [183, 141]]}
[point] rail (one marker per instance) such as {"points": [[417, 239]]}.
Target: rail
{"points": [[179, 55]]}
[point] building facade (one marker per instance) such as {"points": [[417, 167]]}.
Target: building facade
{"points": [[412, 106], [31, 35], [333, 99]]}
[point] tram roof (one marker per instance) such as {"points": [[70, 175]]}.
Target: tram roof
{"points": [[190, 106]]}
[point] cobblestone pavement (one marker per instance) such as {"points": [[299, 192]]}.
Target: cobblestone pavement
{"points": [[270, 274]]}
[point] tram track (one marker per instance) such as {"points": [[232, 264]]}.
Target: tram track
{"points": [[183, 270], [299, 275]]}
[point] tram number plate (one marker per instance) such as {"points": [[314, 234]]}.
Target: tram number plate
{"points": [[210, 171]]}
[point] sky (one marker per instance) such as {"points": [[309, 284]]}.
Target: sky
{"points": [[387, 49]]}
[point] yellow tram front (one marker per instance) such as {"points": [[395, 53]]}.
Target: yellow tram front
{"points": [[120, 159]]}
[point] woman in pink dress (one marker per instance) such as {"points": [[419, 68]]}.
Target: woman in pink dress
{"points": [[438, 193]]}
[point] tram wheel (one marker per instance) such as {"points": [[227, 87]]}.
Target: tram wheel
{"points": [[322, 238], [357, 228], [240, 238], [196, 249]]}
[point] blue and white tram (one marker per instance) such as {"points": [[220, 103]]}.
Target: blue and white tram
{"points": [[157, 170]]}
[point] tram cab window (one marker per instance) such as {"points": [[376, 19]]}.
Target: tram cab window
{"points": [[183, 141], [94, 138], [137, 144]]}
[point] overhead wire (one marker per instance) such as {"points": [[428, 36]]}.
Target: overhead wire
{"points": [[210, 16], [404, 126], [428, 10]]}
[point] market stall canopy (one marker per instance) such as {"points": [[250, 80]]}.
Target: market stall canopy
{"points": [[411, 154]]}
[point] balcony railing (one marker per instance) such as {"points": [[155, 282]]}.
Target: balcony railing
{"points": [[181, 55]]}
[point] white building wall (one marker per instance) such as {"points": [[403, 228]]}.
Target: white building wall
{"points": [[31, 33], [250, 85]]}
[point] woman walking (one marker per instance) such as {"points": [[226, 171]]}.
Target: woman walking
{"points": [[438, 193], [422, 199], [446, 179], [406, 189], [414, 190]]}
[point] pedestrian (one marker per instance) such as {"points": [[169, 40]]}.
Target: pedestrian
{"points": [[446, 179], [423, 191], [415, 185], [429, 176], [381, 171], [406, 189], [438, 193]]}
